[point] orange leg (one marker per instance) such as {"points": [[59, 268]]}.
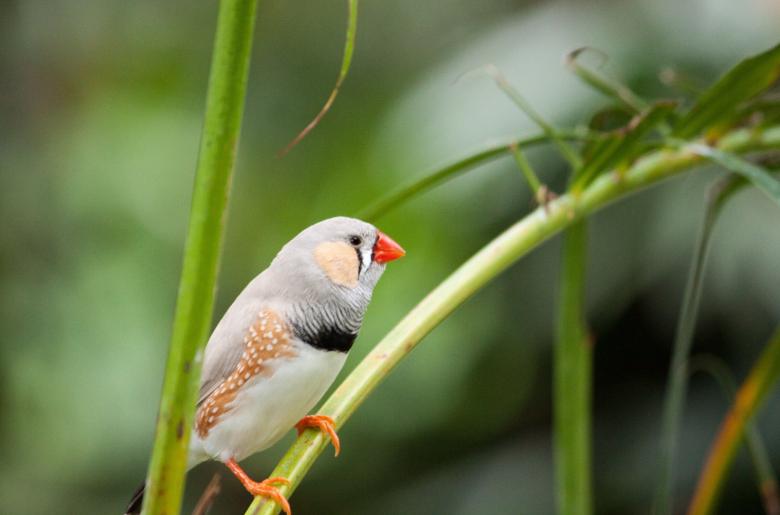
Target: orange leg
{"points": [[263, 488], [325, 424]]}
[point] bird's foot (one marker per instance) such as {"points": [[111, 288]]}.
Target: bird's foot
{"points": [[325, 424], [263, 488]]}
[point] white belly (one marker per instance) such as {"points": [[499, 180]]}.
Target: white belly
{"points": [[269, 405]]}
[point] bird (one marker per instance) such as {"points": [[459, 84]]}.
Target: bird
{"points": [[280, 345]]}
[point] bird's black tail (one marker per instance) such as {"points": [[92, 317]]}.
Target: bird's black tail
{"points": [[134, 508]]}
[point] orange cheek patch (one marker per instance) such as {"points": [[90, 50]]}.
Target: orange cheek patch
{"points": [[267, 339], [339, 261]]}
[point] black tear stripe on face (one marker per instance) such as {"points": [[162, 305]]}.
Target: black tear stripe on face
{"points": [[327, 338], [360, 260]]}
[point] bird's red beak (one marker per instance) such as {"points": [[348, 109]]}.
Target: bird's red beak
{"points": [[385, 249]]}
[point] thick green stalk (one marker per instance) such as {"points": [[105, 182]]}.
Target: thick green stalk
{"points": [[572, 381], [491, 260], [763, 376], [194, 305]]}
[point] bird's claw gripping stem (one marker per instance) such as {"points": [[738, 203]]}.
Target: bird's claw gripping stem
{"points": [[263, 488], [325, 424]]}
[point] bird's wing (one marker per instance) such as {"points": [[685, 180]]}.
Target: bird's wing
{"points": [[218, 373], [265, 340], [226, 346]]}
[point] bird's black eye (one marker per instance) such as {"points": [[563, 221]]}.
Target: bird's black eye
{"points": [[355, 241]]}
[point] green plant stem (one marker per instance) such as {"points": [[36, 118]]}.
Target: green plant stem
{"points": [[491, 260], [528, 171], [194, 305], [572, 373], [762, 377]]}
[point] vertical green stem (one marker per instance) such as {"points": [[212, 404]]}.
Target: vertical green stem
{"points": [[219, 139], [572, 381]]}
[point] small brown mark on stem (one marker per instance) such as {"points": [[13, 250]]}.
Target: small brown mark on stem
{"points": [[544, 196], [590, 340]]}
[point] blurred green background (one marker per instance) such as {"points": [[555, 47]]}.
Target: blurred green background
{"points": [[100, 112]]}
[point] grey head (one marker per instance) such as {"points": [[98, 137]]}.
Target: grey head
{"points": [[326, 275]]}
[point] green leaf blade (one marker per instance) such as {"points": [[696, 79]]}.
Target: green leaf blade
{"points": [[719, 104], [759, 176]]}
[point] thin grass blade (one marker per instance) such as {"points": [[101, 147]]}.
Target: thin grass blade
{"points": [[766, 481], [552, 133], [541, 193], [609, 87], [677, 383], [761, 379], [346, 62]]}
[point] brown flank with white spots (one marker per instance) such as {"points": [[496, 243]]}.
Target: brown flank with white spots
{"points": [[268, 338]]}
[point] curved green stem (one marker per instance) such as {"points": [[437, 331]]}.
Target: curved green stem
{"points": [[494, 258], [192, 321]]}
